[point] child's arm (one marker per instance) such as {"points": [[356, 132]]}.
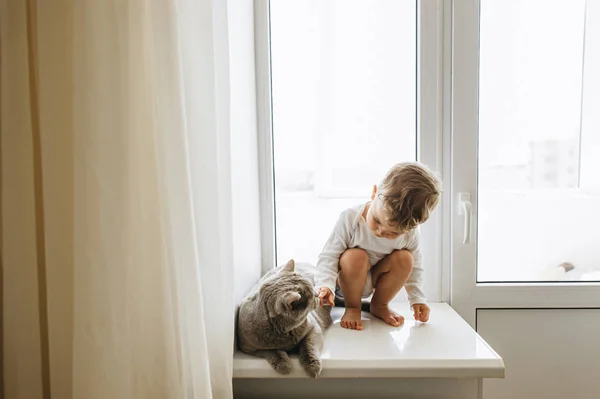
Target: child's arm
{"points": [[414, 285], [329, 258]]}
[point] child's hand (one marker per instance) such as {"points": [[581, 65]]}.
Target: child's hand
{"points": [[421, 312], [325, 296]]}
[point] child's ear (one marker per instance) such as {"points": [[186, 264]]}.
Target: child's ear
{"points": [[373, 192]]}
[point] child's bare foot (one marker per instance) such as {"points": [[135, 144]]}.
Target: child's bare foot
{"points": [[386, 314], [351, 319]]}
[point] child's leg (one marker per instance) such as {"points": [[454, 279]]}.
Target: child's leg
{"points": [[354, 266], [389, 276]]}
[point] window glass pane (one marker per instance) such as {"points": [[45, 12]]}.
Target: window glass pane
{"points": [[539, 187], [343, 87]]}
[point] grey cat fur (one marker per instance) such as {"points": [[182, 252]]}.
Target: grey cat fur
{"points": [[280, 315]]}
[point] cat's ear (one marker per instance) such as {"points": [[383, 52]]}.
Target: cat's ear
{"points": [[291, 297], [289, 267], [283, 303]]}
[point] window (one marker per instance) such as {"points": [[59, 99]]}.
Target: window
{"points": [[500, 97], [524, 99], [343, 87], [345, 106], [539, 196]]}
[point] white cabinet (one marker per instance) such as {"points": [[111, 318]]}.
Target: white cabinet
{"points": [[548, 353], [442, 359]]}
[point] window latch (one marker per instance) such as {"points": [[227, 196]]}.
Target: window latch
{"points": [[465, 209]]}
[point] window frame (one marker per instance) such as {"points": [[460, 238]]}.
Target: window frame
{"points": [[468, 295], [448, 56], [264, 109], [433, 123]]}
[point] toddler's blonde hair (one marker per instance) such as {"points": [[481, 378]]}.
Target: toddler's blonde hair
{"points": [[409, 192]]}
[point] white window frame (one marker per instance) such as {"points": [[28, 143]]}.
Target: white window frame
{"points": [[432, 124], [264, 108], [466, 294], [448, 88]]}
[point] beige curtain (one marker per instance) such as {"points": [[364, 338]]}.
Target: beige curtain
{"points": [[115, 199]]}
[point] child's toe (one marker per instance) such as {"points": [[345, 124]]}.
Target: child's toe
{"points": [[395, 320]]}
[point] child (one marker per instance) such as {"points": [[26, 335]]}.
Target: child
{"points": [[375, 247]]}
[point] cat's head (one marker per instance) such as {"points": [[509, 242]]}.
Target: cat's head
{"points": [[288, 295]]}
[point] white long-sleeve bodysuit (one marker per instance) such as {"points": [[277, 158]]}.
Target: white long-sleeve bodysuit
{"points": [[352, 231]]}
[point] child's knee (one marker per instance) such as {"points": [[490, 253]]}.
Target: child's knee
{"points": [[402, 259], [354, 261]]}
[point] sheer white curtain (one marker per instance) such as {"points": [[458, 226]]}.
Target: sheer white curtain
{"points": [[116, 199]]}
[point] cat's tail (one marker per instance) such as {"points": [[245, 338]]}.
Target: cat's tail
{"points": [[365, 304]]}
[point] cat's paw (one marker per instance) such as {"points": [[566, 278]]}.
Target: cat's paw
{"points": [[283, 367], [281, 363], [312, 366]]}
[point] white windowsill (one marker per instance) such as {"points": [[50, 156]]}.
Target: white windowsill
{"points": [[445, 347]]}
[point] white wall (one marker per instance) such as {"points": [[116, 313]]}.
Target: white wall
{"points": [[244, 152]]}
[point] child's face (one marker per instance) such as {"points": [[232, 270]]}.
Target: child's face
{"points": [[376, 220]]}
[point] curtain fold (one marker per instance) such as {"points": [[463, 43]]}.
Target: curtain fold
{"points": [[116, 199]]}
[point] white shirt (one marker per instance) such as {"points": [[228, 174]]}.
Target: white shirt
{"points": [[352, 231]]}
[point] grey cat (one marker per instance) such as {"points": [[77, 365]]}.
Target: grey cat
{"points": [[281, 314]]}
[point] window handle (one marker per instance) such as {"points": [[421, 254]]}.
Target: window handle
{"points": [[465, 209]]}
